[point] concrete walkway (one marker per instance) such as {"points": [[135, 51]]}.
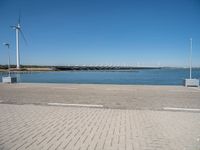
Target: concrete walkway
{"points": [[33, 127], [110, 96]]}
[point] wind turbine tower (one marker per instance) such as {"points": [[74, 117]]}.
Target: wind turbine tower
{"points": [[18, 30], [17, 45]]}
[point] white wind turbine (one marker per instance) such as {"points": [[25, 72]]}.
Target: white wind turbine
{"points": [[18, 30]]}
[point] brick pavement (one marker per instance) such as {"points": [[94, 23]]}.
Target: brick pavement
{"points": [[33, 127]]}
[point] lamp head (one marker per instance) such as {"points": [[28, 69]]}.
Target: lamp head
{"points": [[6, 44]]}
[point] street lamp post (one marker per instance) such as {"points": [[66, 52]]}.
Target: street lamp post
{"points": [[190, 58], [8, 46], [8, 79], [191, 81]]}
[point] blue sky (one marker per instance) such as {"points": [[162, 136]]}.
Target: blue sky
{"points": [[117, 32]]}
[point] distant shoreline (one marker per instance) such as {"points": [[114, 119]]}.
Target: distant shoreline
{"points": [[4, 68], [32, 68]]}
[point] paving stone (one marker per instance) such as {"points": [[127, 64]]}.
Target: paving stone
{"points": [[29, 127]]}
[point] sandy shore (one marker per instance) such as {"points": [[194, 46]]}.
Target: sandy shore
{"points": [[26, 69]]}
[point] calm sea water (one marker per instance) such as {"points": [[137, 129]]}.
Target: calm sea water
{"points": [[147, 77]]}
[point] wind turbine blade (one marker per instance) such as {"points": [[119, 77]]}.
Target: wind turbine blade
{"points": [[19, 18], [13, 27], [23, 37]]}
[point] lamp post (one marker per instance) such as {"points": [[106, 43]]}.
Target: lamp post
{"points": [[191, 82], [8, 46], [8, 79], [190, 58]]}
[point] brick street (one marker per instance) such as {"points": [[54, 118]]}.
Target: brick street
{"points": [[132, 117], [78, 128]]}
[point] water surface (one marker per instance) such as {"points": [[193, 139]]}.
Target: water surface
{"points": [[142, 77]]}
